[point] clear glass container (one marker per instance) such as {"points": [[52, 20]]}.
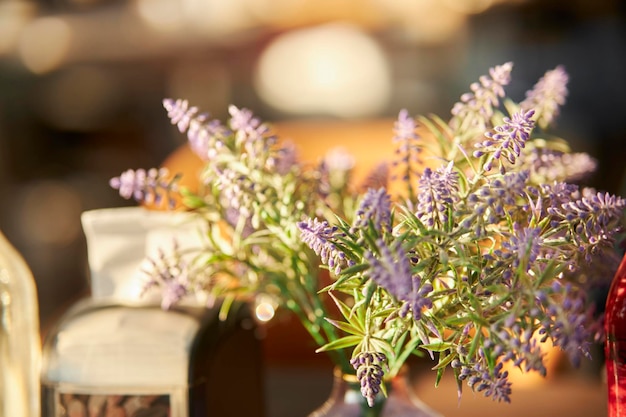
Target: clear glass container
{"points": [[20, 344], [346, 399], [108, 358], [615, 346], [119, 354]]}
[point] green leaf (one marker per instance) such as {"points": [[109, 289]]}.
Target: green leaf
{"points": [[439, 346], [346, 327], [445, 361], [341, 343], [440, 372]]}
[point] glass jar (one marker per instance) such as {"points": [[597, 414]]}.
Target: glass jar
{"points": [[615, 346], [20, 344], [118, 353], [346, 399]]}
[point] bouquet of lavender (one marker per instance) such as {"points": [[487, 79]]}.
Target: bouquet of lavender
{"points": [[486, 250]]}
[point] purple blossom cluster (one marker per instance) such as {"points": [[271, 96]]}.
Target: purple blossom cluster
{"points": [[370, 370], [492, 202], [547, 96], [437, 192], [375, 207], [516, 255], [254, 135], [318, 235], [509, 342], [506, 140], [477, 107], [471, 248], [171, 274], [391, 270], [205, 136], [523, 246], [547, 165], [407, 146], [493, 383], [146, 186], [568, 323], [237, 191], [592, 219]]}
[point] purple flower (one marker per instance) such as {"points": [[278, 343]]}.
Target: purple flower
{"points": [[391, 269], [493, 383], [404, 130], [547, 96], [569, 321], [507, 140], [476, 108], [171, 274], [417, 299], [437, 191], [149, 187], [491, 202], [408, 149], [205, 136], [375, 207], [236, 190], [593, 220], [334, 171], [523, 247], [370, 373], [510, 342], [172, 292], [286, 158], [318, 236], [548, 165], [181, 114], [250, 131]]}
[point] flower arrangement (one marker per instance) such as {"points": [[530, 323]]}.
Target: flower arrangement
{"points": [[486, 249]]}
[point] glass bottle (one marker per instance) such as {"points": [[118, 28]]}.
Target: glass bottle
{"points": [[615, 346], [117, 353], [346, 399], [20, 344]]}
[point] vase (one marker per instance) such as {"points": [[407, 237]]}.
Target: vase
{"points": [[615, 345], [20, 345], [346, 399]]}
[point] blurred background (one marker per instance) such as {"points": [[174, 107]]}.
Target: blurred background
{"points": [[81, 84]]}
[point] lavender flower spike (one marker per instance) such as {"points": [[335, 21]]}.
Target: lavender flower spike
{"points": [[547, 96], [404, 128], [318, 236], [392, 270], [203, 134], [476, 108], [247, 127], [507, 140], [408, 149], [369, 372], [375, 207], [437, 191], [148, 187], [181, 114]]}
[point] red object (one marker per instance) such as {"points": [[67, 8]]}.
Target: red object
{"points": [[615, 347]]}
